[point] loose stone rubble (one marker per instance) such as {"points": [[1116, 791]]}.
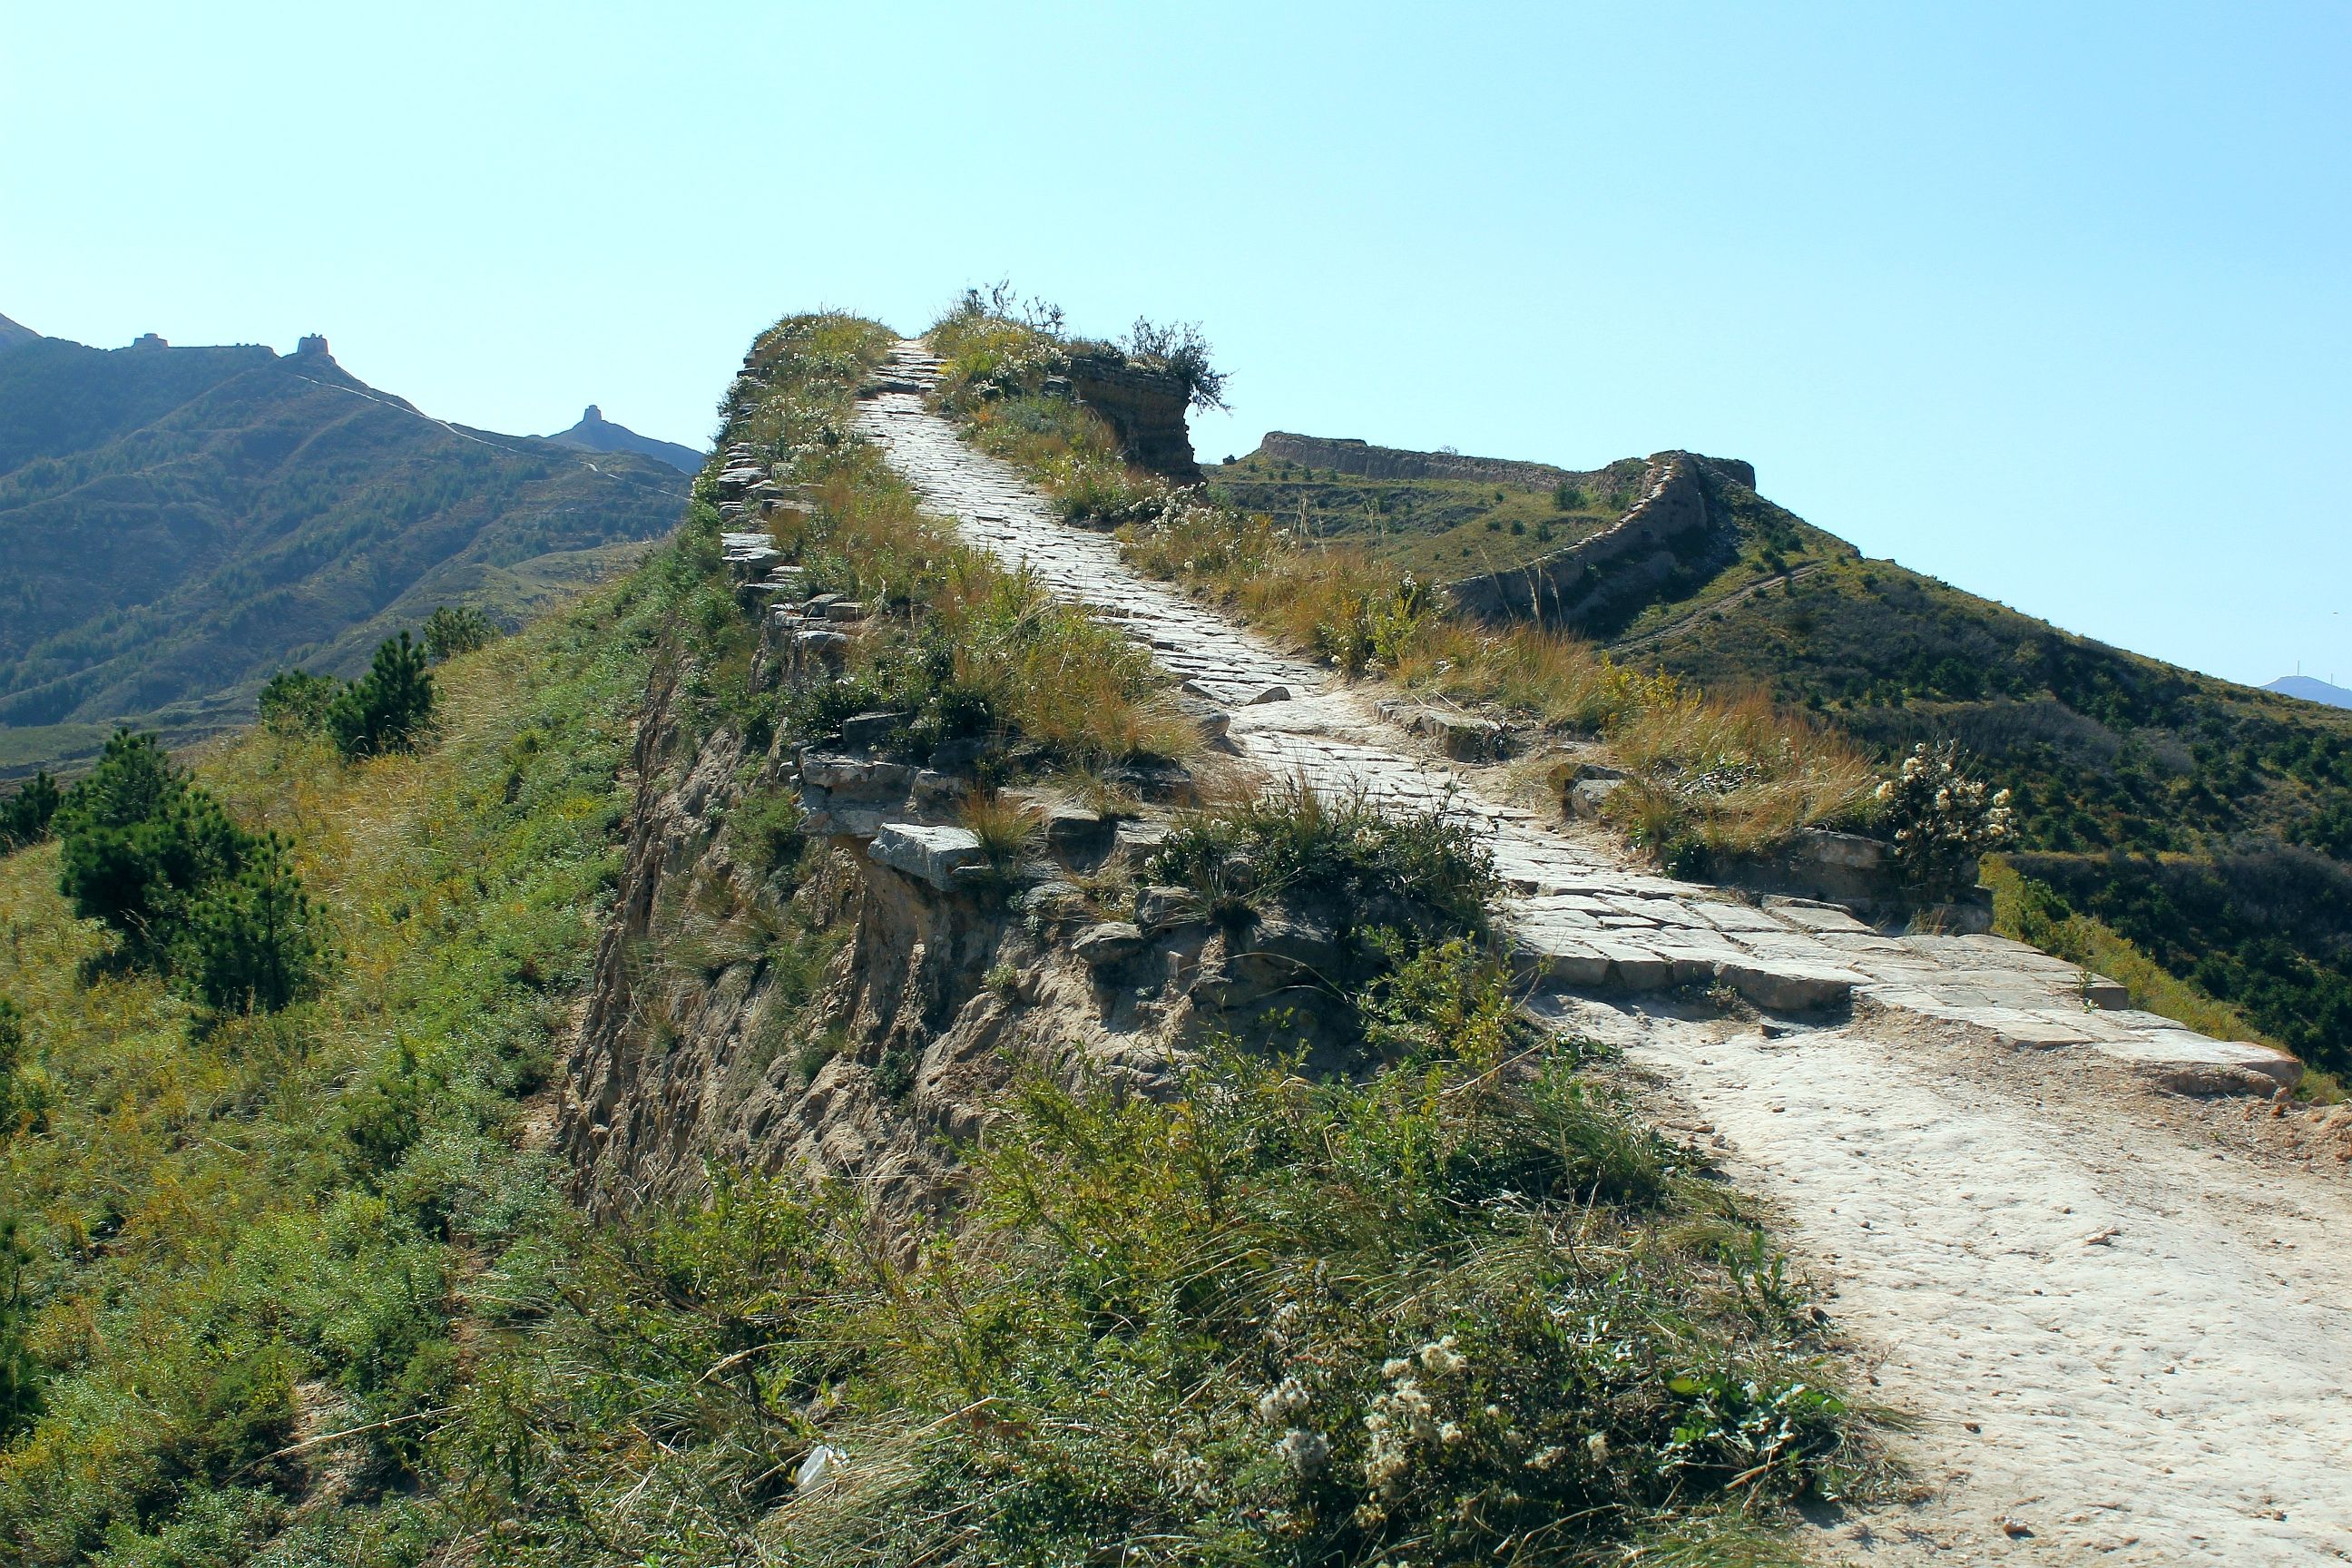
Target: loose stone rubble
{"points": [[1580, 916]]}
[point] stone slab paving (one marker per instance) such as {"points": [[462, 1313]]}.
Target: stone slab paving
{"points": [[1581, 915]]}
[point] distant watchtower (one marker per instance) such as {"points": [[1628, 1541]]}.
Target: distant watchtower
{"points": [[149, 341], [313, 344]]}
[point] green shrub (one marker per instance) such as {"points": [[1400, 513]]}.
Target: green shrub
{"points": [[386, 708], [1179, 349], [449, 632], [1941, 820], [140, 842], [1369, 868], [253, 942], [295, 701], [25, 817], [20, 1385]]}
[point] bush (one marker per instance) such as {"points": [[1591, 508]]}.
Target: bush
{"points": [[140, 842], [219, 909], [295, 701], [1179, 350], [25, 817], [1372, 868], [450, 632], [20, 1388], [384, 710], [1941, 820], [253, 942]]}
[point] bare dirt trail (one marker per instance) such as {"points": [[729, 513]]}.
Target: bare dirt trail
{"points": [[2113, 1319], [2117, 1318]]}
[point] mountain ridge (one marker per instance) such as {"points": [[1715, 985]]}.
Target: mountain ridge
{"points": [[2310, 688], [175, 523], [595, 433]]}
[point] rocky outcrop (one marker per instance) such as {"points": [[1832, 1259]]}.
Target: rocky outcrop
{"points": [[1678, 527], [1144, 407]]}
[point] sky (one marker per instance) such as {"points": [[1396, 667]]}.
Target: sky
{"points": [[2054, 302]]}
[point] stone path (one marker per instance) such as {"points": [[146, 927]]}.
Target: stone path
{"points": [[2114, 1334], [1581, 916]]}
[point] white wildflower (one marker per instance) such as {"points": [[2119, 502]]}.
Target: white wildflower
{"points": [[1304, 1452], [1451, 1432], [1440, 1356], [1283, 1400], [1545, 1459], [1598, 1445], [1395, 1367]]}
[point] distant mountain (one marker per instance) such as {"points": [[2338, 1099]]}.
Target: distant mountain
{"points": [[12, 334], [176, 523], [595, 433], [2311, 690]]}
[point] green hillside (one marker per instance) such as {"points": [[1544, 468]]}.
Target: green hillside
{"points": [[177, 523], [2209, 823], [304, 1287]]}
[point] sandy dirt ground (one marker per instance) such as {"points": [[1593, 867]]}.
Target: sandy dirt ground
{"points": [[2115, 1321]]}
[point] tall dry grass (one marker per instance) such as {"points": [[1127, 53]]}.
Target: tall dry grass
{"points": [[1715, 775]]}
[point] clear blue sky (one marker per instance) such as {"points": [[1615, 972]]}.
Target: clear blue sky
{"points": [[2050, 300]]}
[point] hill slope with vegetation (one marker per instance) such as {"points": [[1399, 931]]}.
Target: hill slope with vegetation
{"points": [[177, 523], [2206, 824], [303, 1285]]}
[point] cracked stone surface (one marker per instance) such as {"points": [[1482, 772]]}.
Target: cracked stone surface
{"points": [[1581, 914]]}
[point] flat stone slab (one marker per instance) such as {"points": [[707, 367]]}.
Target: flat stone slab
{"points": [[2175, 1050], [1788, 987], [931, 854]]}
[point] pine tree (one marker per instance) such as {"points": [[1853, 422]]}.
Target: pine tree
{"points": [[252, 942], [20, 1389], [25, 817], [385, 709], [294, 701], [139, 842]]}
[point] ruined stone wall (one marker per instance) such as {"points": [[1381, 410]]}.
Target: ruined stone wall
{"points": [[1347, 455], [1674, 527], [1145, 407]]}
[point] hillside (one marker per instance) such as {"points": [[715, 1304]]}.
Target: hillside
{"points": [[669, 1169], [176, 523], [815, 1060], [2209, 823], [595, 433]]}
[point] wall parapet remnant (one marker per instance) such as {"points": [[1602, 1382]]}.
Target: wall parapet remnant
{"points": [[1144, 407], [1676, 522]]}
